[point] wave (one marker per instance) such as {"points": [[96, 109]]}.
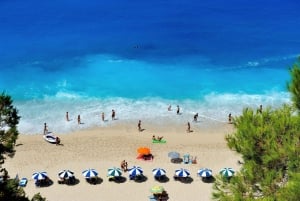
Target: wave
{"points": [[214, 107]]}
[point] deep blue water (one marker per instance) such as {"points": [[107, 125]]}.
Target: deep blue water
{"points": [[85, 57]]}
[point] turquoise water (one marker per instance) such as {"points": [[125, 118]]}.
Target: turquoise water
{"points": [[213, 58]]}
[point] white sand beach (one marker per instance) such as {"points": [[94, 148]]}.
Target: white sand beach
{"points": [[105, 147]]}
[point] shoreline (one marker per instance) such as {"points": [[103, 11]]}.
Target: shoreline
{"points": [[105, 147]]}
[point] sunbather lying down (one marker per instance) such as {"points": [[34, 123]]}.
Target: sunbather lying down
{"points": [[157, 138]]}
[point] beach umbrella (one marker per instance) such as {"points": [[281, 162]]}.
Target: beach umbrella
{"points": [[157, 189], [90, 173], [173, 154], [64, 174], [143, 150], [157, 172], [39, 175], [227, 172], [205, 172], [182, 172], [114, 172], [135, 171]]}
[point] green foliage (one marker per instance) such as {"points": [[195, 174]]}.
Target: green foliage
{"points": [[269, 143], [9, 120], [38, 197], [10, 191], [294, 85], [290, 191]]}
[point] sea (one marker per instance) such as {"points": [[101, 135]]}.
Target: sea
{"points": [[139, 57]]}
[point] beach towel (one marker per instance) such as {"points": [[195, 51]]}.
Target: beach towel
{"points": [[159, 141]]}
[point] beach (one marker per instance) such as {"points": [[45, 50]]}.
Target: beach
{"points": [[105, 147], [86, 58]]}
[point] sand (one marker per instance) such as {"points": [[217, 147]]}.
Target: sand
{"points": [[105, 147]]}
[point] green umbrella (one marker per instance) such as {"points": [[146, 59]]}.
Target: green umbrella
{"points": [[227, 172], [114, 172]]}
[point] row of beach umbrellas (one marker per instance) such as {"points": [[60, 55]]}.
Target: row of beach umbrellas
{"points": [[134, 171]]}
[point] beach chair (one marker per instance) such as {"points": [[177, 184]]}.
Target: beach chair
{"points": [[186, 158], [71, 180], [194, 160], [61, 181], [132, 177], [23, 182], [176, 178], [37, 183], [152, 198]]}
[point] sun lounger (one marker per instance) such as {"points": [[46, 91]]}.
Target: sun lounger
{"points": [[23, 182], [152, 198], [60, 181], [176, 160]]}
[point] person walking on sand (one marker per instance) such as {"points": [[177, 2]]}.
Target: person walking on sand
{"points": [[178, 109], [124, 166], [113, 114], [188, 127], [103, 118], [140, 126], [57, 141], [67, 116], [45, 128], [78, 119]]}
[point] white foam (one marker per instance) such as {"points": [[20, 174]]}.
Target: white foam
{"points": [[214, 107]]}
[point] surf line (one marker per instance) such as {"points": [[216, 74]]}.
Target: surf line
{"points": [[207, 117]]}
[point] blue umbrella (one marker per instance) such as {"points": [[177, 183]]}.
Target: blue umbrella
{"points": [[64, 174], [174, 154], [39, 175], [157, 172], [182, 172], [90, 173], [114, 172], [135, 171], [205, 172], [227, 172]]}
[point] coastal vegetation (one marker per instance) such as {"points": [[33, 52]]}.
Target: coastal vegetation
{"points": [[9, 119], [269, 144]]}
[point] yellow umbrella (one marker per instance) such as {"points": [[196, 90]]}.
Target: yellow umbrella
{"points": [[157, 189]]}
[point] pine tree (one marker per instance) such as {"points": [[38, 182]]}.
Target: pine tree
{"points": [[9, 120], [294, 85], [269, 145]]}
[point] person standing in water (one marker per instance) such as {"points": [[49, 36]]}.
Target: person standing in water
{"points": [[67, 116], [178, 109], [196, 117], [229, 118], [260, 109], [102, 116], [113, 115], [45, 128], [78, 119]]}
